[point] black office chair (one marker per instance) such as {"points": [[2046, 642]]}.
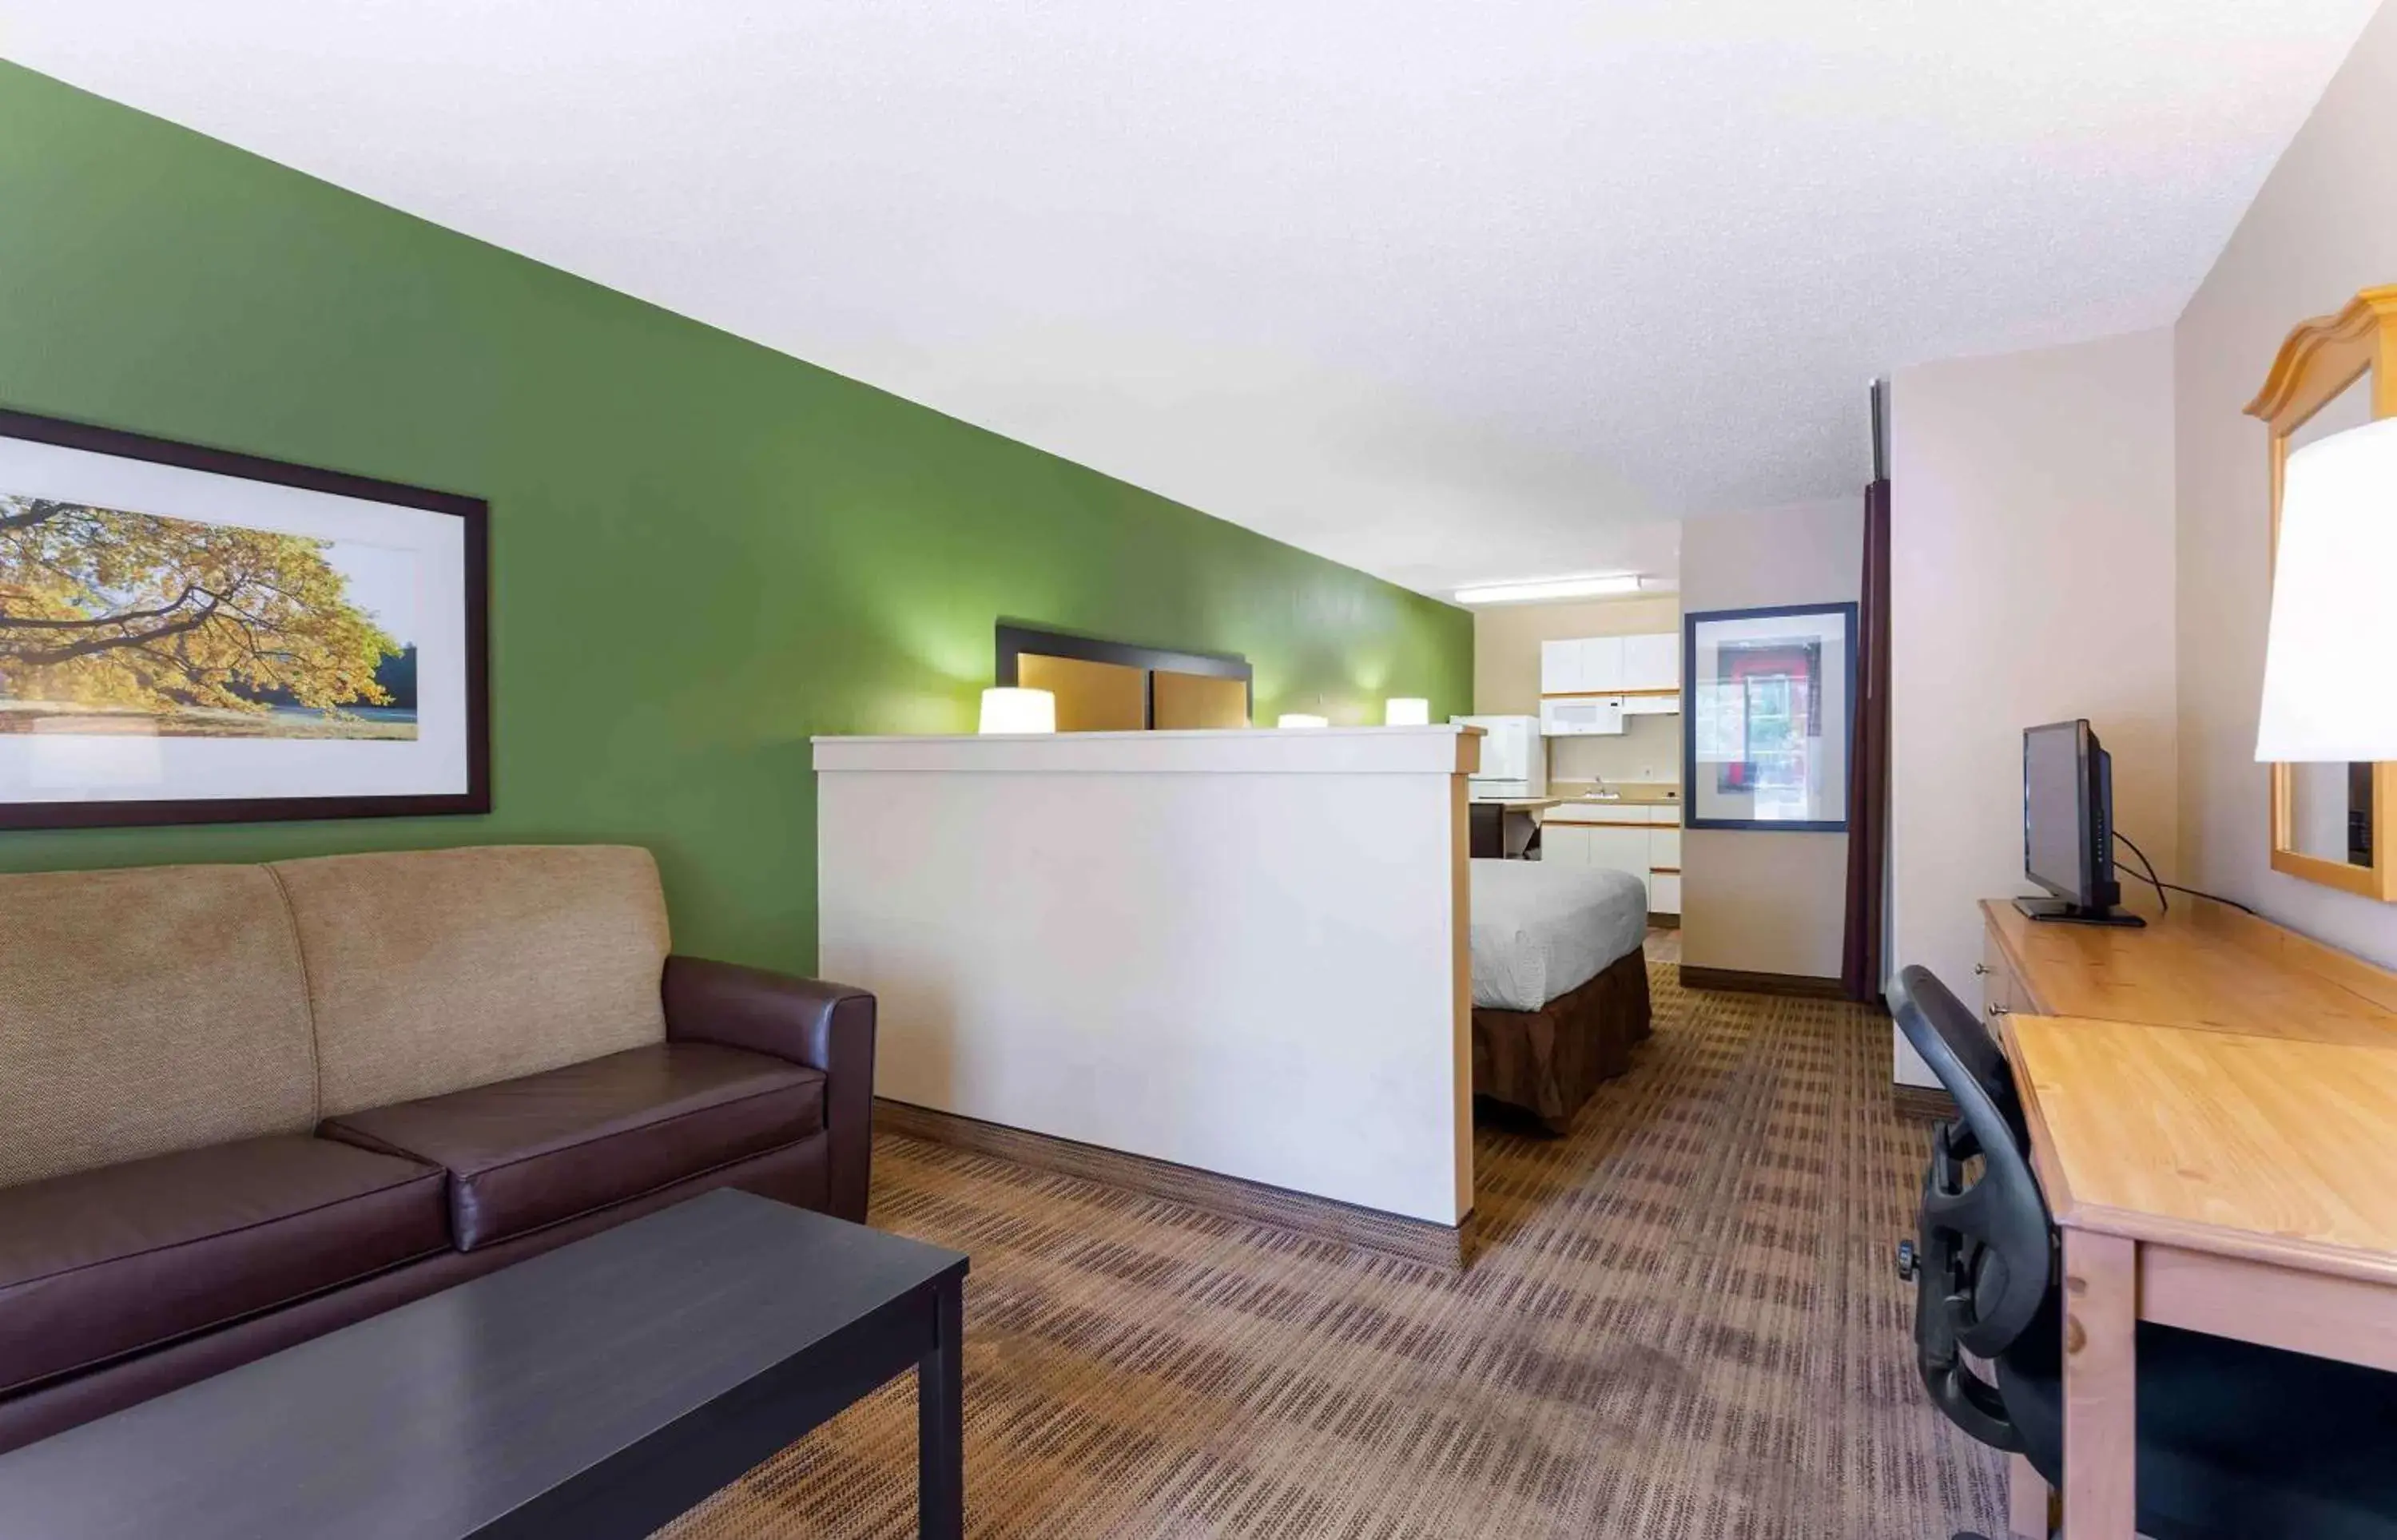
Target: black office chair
{"points": [[2234, 1440]]}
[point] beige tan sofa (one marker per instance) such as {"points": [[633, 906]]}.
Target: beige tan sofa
{"points": [[244, 1104]]}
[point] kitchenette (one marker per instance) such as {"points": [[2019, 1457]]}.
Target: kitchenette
{"points": [[1582, 762]]}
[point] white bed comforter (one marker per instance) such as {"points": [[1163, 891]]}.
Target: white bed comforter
{"points": [[1540, 931]]}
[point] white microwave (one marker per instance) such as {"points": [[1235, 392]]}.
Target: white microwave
{"points": [[1568, 716]]}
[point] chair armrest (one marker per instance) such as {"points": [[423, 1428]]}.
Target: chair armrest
{"points": [[828, 1026]]}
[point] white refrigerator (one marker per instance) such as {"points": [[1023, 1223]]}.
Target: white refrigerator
{"points": [[1514, 758]]}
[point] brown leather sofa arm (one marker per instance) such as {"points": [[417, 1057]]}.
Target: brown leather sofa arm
{"points": [[826, 1026]]}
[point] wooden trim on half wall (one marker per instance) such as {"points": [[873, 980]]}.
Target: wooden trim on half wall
{"points": [[1324, 1219], [1740, 981]]}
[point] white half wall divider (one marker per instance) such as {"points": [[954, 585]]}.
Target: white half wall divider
{"points": [[1240, 951]]}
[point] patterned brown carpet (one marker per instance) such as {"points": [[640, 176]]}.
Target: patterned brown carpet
{"points": [[1681, 1325]]}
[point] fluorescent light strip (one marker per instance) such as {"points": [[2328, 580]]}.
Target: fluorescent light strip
{"points": [[1550, 588]]}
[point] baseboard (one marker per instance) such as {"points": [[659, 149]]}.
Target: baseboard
{"points": [[1659, 920], [1740, 981], [1922, 1103], [1317, 1218]]}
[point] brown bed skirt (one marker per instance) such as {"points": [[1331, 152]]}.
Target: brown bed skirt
{"points": [[1547, 1062]]}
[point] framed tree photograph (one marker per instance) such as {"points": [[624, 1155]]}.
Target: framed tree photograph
{"points": [[191, 635]]}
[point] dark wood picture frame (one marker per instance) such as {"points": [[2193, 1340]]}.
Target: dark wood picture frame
{"points": [[473, 511], [1690, 816], [1016, 640]]}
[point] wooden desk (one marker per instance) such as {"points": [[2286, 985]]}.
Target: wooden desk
{"points": [[2202, 967], [2210, 1102], [1503, 828]]}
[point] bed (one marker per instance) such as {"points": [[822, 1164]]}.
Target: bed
{"points": [[1559, 984]]}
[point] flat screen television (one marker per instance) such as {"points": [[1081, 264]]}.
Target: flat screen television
{"points": [[2068, 826]]}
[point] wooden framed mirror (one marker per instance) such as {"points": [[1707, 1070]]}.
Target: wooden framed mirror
{"points": [[2333, 824]]}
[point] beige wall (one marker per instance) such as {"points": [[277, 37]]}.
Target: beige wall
{"points": [[1648, 750], [2323, 226], [2032, 581], [1506, 642], [1754, 900]]}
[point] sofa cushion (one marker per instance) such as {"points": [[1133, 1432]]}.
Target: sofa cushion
{"points": [[102, 1263], [147, 1011], [431, 971], [542, 1149]]}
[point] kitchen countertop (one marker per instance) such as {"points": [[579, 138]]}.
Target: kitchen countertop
{"points": [[1633, 793]]}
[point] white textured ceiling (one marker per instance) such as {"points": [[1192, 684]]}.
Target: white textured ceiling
{"points": [[1447, 291]]}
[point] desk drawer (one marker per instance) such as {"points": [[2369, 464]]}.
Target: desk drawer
{"points": [[2000, 991]]}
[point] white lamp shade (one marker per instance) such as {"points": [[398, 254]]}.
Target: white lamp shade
{"points": [[1008, 710], [1406, 711], [1301, 718], [2328, 690]]}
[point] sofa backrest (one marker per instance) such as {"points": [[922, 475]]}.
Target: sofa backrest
{"points": [[434, 970], [147, 1011], [164, 1008]]}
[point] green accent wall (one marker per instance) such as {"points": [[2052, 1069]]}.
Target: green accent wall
{"points": [[703, 551]]}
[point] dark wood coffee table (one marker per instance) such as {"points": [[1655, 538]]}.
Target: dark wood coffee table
{"points": [[594, 1393]]}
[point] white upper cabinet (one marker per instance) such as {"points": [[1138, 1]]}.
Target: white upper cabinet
{"points": [[1614, 665], [1585, 666], [1561, 668], [1652, 663], [1601, 664]]}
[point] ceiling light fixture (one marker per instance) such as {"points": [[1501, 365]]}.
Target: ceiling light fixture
{"points": [[1590, 587]]}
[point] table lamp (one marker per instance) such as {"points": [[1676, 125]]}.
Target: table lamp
{"points": [[2327, 691], [1008, 710]]}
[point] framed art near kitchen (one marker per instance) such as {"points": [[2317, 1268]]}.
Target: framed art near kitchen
{"points": [[1768, 707], [189, 635]]}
